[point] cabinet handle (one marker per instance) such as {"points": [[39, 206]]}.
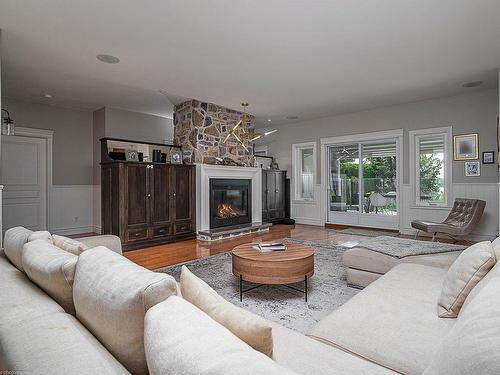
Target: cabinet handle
{"points": [[173, 194], [149, 195], [276, 191]]}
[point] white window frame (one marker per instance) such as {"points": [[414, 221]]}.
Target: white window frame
{"points": [[297, 168], [414, 137]]}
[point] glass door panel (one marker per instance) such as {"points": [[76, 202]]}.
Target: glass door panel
{"points": [[379, 178], [344, 178]]}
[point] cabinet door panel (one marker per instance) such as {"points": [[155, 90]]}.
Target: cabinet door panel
{"points": [[183, 190], [280, 191], [161, 193], [137, 197], [271, 187]]}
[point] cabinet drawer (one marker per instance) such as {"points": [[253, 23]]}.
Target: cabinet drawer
{"points": [[137, 234], [183, 227], [162, 231]]}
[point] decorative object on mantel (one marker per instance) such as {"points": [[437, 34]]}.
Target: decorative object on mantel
{"points": [[472, 169], [275, 166], [187, 157], [229, 161], [7, 124], [466, 147], [488, 157], [131, 155]]}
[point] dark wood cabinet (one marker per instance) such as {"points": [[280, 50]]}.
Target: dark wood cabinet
{"points": [[273, 196], [148, 203]]}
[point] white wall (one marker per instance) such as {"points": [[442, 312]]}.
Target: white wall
{"points": [[475, 112]]}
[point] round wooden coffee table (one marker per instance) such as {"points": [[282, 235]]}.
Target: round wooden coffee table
{"points": [[295, 264]]}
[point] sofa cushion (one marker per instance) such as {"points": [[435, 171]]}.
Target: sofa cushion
{"points": [[307, 356], [469, 268], [109, 241], [52, 269], [471, 347], [13, 243], [55, 344], [252, 329], [40, 235], [393, 321], [68, 244], [189, 342], [22, 301], [112, 295]]}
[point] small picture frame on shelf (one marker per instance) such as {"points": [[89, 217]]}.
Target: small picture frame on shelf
{"points": [[176, 157], [472, 169], [187, 157], [131, 155], [488, 157], [466, 147]]}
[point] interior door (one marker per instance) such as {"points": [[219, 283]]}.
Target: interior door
{"points": [[24, 176]]}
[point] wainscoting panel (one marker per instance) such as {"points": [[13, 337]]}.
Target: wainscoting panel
{"points": [[96, 208], [309, 212], [71, 209], [487, 228]]}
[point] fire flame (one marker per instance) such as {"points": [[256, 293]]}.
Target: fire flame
{"points": [[226, 210]]}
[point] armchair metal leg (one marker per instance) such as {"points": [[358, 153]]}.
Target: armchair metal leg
{"points": [[434, 236], [416, 234]]}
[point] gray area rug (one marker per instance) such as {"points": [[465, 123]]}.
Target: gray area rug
{"points": [[405, 247], [327, 288], [367, 232]]}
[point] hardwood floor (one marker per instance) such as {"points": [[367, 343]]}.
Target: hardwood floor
{"points": [[165, 255]]}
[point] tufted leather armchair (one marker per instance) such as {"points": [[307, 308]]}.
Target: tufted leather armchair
{"points": [[463, 218]]}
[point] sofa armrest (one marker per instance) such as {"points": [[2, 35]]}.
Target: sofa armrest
{"points": [[107, 240]]}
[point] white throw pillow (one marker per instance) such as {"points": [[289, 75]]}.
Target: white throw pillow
{"points": [[112, 295], [467, 270], [471, 346], [13, 243], [69, 244], [180, 339], [252, 329], [41, 235], [52, 269]]}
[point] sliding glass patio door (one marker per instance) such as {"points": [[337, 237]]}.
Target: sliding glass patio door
{"points": [[363, 186]]}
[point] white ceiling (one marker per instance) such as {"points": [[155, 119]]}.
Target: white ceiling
{"points": [[285, 57]]}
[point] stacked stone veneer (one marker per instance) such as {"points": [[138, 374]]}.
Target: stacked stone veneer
{"points": [[201, 128]]}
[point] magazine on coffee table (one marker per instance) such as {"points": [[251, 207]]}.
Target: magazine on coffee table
{"points": [[274, 246]]}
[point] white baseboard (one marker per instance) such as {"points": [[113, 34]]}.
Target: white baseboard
{"points": [[308, 221], [72, 230]]}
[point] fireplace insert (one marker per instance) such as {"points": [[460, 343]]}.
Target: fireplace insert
{"points": [[230, 202]]}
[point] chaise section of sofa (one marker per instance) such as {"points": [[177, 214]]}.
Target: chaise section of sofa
{"points": [[393, 322]]}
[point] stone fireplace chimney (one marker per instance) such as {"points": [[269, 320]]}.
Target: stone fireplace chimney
{"points": [[201, 128]]}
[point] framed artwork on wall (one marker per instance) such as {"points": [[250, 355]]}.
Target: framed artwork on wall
{"points": [[489, 157], [176, 157], [466, 147], [472, 169]]}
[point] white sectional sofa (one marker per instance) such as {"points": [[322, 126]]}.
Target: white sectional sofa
{"points": [[389, 327]]}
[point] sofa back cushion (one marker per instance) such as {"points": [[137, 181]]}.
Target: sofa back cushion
{"points": [[112, 295], [68, 244], [41, 235], [52, 269], [464, 274], [471, 346], [250, 328], [189, 342], [13, 243]]}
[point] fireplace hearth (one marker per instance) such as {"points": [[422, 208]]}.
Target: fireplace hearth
{"points": [[230, 202]]}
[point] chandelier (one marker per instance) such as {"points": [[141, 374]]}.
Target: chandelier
{"points": [[242, 132]]}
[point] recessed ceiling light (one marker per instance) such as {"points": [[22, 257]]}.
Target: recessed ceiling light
{"points": [[47, 96], [269, 120], [292, 117], [108, 59], [469, 85]]}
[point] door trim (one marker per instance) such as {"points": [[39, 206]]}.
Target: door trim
{"points": [[358, 138], [48, 135]]}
